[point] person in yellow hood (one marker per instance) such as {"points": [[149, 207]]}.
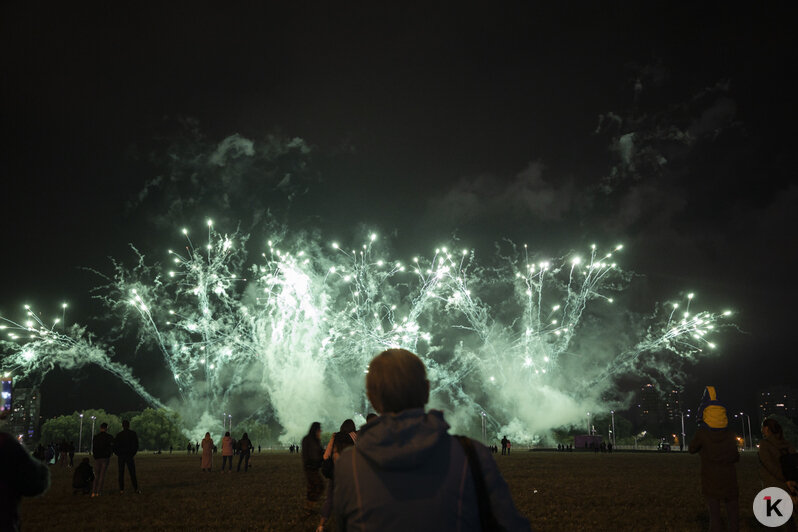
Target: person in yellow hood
{"points": [[717, 447]]}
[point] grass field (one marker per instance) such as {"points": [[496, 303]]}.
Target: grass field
{"points": [[555, 491]]}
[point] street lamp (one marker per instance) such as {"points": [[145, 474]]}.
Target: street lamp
{"points": [[230, 417], [224, 421], [484, 430], [742, 422], [683, 442], [63, 315], [93, 418], [588, 425], [80, 438], [750, 434]]}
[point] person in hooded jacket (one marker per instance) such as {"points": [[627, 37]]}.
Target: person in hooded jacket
{"points": [[717, 447], [311, 464], [771, 449], [407, 472], [126, 445], [102, 447]]}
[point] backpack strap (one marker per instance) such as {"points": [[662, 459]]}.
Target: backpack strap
{"points": [[486, 519]]}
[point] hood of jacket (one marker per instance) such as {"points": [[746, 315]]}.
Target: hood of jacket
{"points": [[779, 443], [406, 440]]}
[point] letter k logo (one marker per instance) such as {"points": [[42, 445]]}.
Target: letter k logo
{"points": [[773, 507]]}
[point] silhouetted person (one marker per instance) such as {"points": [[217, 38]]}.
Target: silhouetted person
{"points": [[245, 447], [83, 477], [71, 450], [717, 446], [772, 447], [126, 445], [227, 451], [20, 476], [407, 473], [207, 453], [505, 441], [311, 464], [102, 448]]}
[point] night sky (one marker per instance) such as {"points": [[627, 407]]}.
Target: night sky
{"points": [[667, 127]]}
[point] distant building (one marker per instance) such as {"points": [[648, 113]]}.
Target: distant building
{"points": [[779, 400], [647, 410], [24, 419], [673, 405]]}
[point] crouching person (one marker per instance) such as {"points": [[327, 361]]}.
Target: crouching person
{"points": [[407, 473], [83, 478]]}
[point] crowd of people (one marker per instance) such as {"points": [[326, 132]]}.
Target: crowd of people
{"points": [[401, 470]]}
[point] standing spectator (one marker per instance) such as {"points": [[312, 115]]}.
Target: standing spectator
{"points": [[245, 447], [717, 446], [207, 453], [71, 454], [126, 445], [20, 476], [63, 450], [344, 438], [505, 441], [258, 448], [102, 447], [311, 463], [771, 449], [407, 472], [82, 478], [227, 451]]}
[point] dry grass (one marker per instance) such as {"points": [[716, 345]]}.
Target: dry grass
{"points": [[576, 491]]}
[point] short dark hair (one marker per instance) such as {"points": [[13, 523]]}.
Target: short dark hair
{"points": [[370, 416], [125, 424], [397, 381], [103, 425]]}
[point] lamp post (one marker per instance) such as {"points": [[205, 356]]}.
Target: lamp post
{"points": [[224, 422], [93, 418], [484, 430], [742, 422], [683, 442], [230, 417], [750, 434], [80, 437], [614, 443], [588, 425], [63, 316]]}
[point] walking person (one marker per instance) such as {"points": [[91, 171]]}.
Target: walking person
{"points": [[126, 445], [227, 451], [245, 448], [717, 447], [102, 447], [344, 438], [311, 463], [207, 453], [408, 473]]}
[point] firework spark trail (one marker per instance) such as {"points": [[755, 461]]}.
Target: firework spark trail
{"points": [[44, 349], [296, 338]]}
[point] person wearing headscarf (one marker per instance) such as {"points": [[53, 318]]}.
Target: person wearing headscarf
{"points": [[716, 444], [207, 452]]}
